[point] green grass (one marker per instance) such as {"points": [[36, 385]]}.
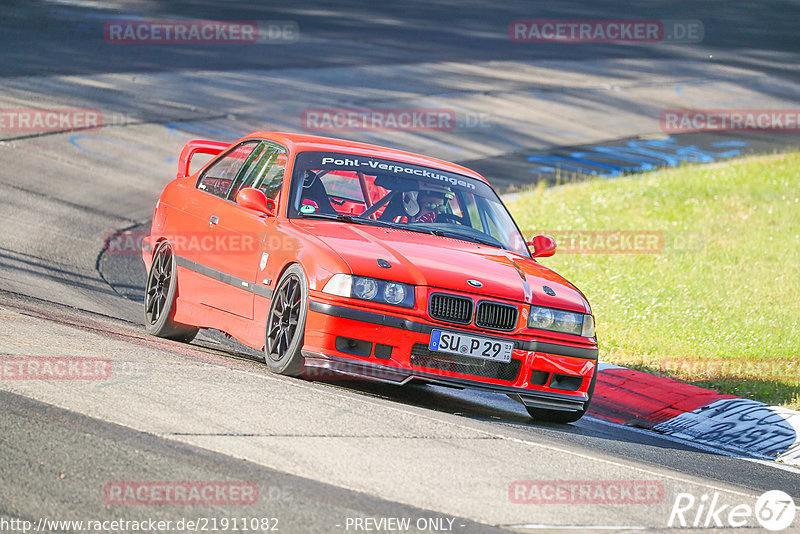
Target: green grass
{"points": [[719, 306]]}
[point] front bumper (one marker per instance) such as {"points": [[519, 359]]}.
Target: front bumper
{"points": [[357, 342]]}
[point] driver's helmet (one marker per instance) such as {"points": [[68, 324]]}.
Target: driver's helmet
{"points": [[424, 205]]}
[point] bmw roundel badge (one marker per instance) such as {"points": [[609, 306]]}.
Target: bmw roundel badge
{"points": [[474, 283]]}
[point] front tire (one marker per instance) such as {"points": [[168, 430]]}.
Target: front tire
{"points": [[286, 323], [159, 298], [558, 416]]}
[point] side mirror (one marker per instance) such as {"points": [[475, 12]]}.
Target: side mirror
{"points": [[543, 246], [255, 199]]}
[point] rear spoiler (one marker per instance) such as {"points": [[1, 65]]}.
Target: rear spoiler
{"points": [[197, 146]]}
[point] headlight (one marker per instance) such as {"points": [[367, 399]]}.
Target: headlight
{"points": [[340, 284], [372, 289], [540, 317], [567, 322], [365, 288], [394, 293], [588, 326]]}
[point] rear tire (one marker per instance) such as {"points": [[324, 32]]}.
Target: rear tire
{"points": [[159, 298], [558, 416], [286, 323]]}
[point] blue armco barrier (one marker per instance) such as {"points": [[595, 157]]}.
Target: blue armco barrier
{"points": [[634, 156]]}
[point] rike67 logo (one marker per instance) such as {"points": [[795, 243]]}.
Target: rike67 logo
{"points": [[774, 510]]}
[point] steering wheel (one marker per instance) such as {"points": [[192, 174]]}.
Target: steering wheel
{"points": [[449, 217]]}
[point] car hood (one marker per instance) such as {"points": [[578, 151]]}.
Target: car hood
{"points": [[445, 263]]}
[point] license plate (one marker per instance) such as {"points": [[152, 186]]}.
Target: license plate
{"points": [[472, 346]]}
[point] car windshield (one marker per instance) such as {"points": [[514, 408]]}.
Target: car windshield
{"points": [[368, 190]]}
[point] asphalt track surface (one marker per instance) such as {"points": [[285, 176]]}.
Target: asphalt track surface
{"points": [[321, 453]]}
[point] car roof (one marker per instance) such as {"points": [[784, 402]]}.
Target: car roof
{"points": [[300, 142]]}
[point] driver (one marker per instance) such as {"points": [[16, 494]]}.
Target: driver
{"points": [[426, 205], [431, 203]]}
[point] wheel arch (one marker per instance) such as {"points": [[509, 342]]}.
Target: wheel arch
{"points": [[286, 265]]}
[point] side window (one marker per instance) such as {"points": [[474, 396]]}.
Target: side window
{"points": [[489, 223], [267, 174], [454, 206], [473, 215], [219, 177]]}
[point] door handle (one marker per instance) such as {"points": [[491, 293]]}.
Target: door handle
{"points": [[214, 219]]}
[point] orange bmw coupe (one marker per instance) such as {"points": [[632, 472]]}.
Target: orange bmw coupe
{"points": [[339, 258]]}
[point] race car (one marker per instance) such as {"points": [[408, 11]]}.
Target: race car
{"points": [[338, 258]]}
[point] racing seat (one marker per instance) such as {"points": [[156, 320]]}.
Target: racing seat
{"points": [[394, 209], [316, 191]]}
